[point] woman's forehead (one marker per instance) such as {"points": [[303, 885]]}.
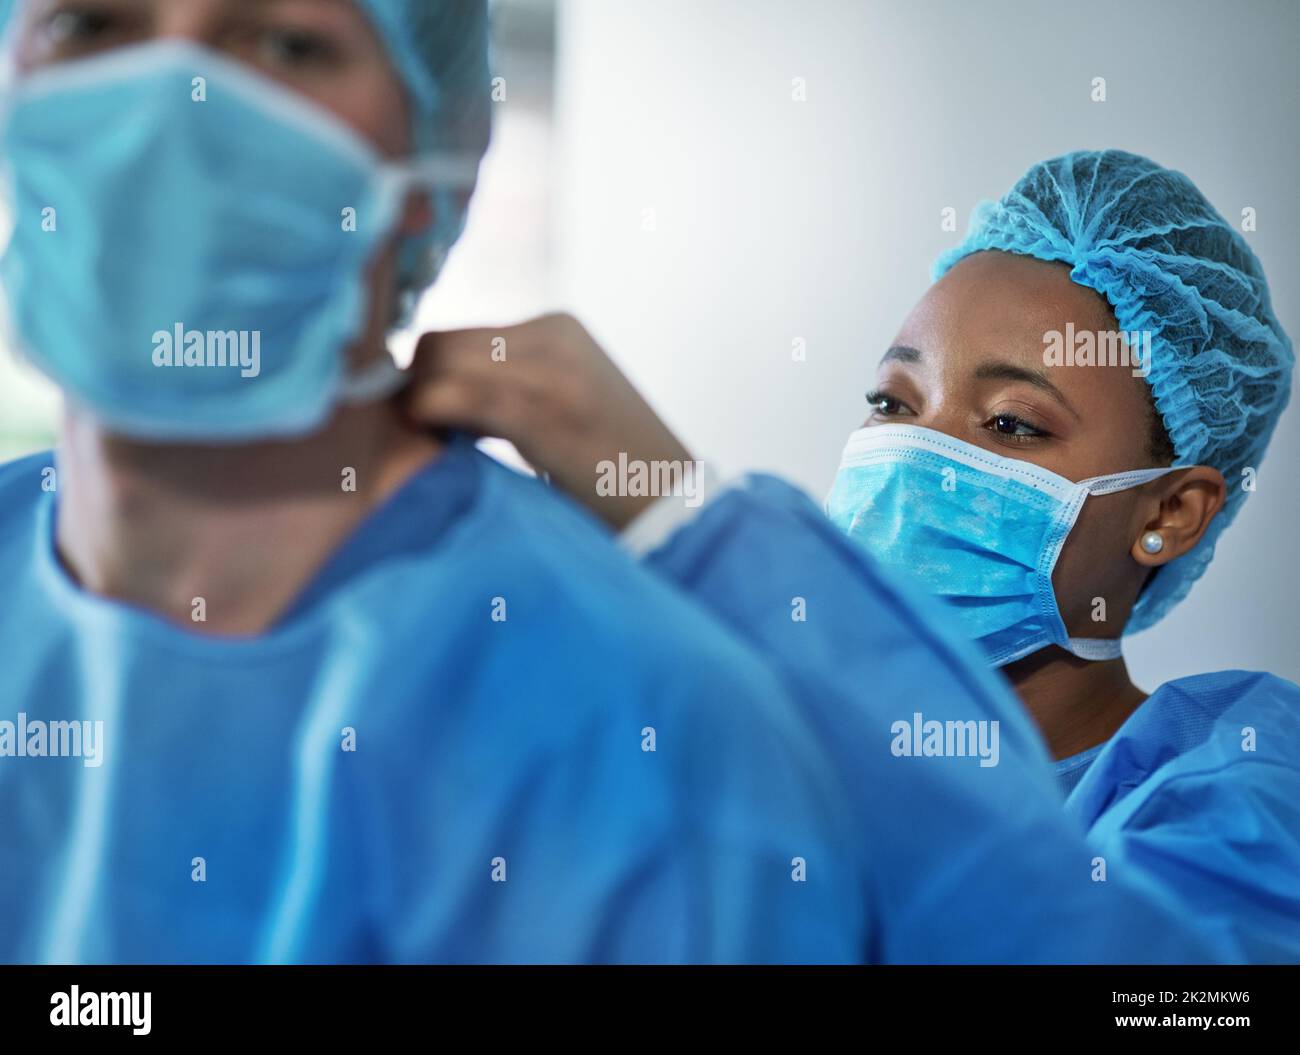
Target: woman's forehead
{"points": [[993, 301], [999, 308]]}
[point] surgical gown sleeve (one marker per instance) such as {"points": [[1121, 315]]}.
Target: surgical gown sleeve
{"points": [[973, 859], [1197, 797]]}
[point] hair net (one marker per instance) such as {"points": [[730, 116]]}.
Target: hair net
{"points": [[1146, 238], [440, 49]]}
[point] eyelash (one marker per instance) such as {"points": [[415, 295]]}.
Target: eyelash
{"points": [[320, 49], [875, 398], [76, 23], [1035, 433]]}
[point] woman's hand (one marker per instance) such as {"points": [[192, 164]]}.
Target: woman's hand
{"points": [[547, 387]]}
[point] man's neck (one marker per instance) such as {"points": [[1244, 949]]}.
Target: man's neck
{"points": [[1075, 703], [222, 540]]}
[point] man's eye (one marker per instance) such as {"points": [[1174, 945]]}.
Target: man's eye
{"points": [[72, 27], [1015, 428], [296, 48]]}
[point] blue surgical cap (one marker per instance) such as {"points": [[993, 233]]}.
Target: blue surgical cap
{"points": [[1146, 238], [440, 50]]}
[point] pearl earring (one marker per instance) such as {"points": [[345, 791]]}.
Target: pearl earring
{"points": [[1152, 542]]}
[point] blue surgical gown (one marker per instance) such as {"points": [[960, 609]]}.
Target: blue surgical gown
{"points": [[972, 863], [393, 774], [1197, 795]]}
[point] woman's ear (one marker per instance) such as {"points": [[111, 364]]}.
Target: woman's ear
{"points": [[1188, 501]]}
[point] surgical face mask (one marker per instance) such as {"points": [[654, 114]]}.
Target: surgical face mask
{"points": [[981, 531], [188, 243]]}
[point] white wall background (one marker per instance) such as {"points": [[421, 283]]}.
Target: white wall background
{"points": [[703, 220]]}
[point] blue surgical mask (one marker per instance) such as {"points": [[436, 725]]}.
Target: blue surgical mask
{"points": [[188, 243], [981, 531]]}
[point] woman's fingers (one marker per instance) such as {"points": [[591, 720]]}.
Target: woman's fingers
{"points": [[462, 380], [547, 387], [517, 382], [543, 342]]}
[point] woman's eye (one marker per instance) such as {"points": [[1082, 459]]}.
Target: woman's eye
{"points": [[1012, 427], [886, 406]]}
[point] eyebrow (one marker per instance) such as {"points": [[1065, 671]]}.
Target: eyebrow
{"points": [[902, 353], [998, 371], [1011, 372]]}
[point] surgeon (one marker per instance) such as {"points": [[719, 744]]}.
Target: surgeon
{"points": [[1052, 499], [213, 744]]}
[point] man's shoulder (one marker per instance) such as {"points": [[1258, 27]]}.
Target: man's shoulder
{"points": [[599, 647], [543, 546], [23, 484], [30, 467], [528, 526]]}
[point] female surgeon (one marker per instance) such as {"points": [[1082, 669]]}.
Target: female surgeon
{"points": [[1052, 504]]}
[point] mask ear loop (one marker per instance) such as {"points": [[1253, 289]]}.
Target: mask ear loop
{"points": [[451, 170], [434, 172], [1103, 648], [383, 378], [441, 174], [1105, 485]]}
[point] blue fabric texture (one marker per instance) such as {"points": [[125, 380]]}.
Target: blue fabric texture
{"points": [[1168, 263], [500, 804], [1197, 795], [1069, 771]]}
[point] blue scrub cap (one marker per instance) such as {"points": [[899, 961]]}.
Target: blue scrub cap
{"points": [[440, 49], [1146, 238]]}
